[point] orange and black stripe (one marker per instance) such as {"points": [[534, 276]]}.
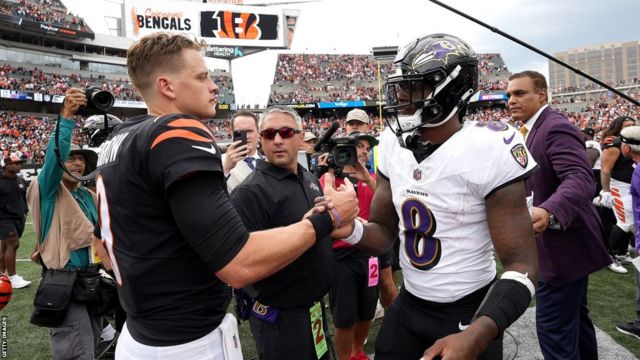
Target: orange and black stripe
{"points": [[184, 130]]}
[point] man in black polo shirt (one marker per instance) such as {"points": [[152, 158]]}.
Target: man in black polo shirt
{"points": [[13, 214], [286, 316]]}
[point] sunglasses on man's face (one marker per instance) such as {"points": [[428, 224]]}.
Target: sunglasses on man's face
{"points": [[285, 133]]}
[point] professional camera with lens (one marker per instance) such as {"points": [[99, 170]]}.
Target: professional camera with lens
{"points": [[342, 152], [98, 102]]}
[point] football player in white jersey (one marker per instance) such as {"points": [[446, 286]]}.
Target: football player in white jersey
{"points": [[454, 192]]}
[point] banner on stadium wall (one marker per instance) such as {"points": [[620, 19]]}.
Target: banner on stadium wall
{"points": [[224, 52], [301, 106], [375, 103], [129, 104], [291, 17], [340, 104], [493, 97], [216, 24], [16, 94], [480, 96], [55, 29], [225, 106], [13, 20], [58, 99], [28, 95]]}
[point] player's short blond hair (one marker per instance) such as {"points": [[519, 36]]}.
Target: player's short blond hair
{"points": [[157, 53]]}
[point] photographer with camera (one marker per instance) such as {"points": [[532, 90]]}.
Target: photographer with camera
{"points": [[64, 215], [241, 156], [355, 292]]}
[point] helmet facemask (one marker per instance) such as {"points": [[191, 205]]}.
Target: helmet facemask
{"points": [[434, 78]]}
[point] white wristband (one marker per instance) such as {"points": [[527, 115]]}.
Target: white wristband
{"points": [[521, 278], [356, 235]]}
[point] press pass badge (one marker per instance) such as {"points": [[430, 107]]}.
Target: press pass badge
{"points": [[317, 330], [373, 271], [95, 258]]}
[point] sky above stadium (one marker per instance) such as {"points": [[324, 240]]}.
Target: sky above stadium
{"points": [[355, 26]]}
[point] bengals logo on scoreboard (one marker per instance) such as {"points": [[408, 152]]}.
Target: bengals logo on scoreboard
{"points": [[238, 25]]}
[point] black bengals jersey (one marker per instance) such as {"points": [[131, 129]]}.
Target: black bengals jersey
{"points": [[167, 288], [623, 167]]}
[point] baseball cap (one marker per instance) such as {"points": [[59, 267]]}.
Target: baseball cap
{"points": [[12, 158], [90, 157], [308, 136], [630, 135], [358, 115], [372, 140]]}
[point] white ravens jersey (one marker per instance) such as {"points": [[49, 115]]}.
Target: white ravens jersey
{"points": [[446, 251]]}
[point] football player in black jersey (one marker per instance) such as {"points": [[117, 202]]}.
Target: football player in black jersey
{"points": [[172, 235]]}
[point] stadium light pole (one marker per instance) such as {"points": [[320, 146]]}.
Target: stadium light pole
{"points": [[382, 53]]}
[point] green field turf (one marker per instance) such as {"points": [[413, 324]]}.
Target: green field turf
{"points": [[611, 300]]}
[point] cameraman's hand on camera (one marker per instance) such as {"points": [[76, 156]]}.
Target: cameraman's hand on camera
{"points": [[73, 99], [344, 200], [234, 154], [323, 160]]}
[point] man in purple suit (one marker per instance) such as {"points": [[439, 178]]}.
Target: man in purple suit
{"points": [[568, 231]]}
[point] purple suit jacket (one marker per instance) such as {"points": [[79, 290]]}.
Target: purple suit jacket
{"points": [[564, 185]]}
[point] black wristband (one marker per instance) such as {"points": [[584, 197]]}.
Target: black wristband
{"points": [[322, 224], [505, 301]]}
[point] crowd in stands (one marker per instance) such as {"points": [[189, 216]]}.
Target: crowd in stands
{"points": [[28, 136], [301, 68], [311, 78], [314, 78], [593, 86], [306, 95], [596, 115], [36, 80], [491, 64], [45, 11], [495, 85]]}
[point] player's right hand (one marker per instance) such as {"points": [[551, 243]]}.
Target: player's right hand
{"points": [[234, 154], [344, 200], [321, 204], [73, 99]]}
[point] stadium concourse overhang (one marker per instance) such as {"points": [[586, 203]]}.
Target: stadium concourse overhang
{"points": [[13, 23], [43, 104]]}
